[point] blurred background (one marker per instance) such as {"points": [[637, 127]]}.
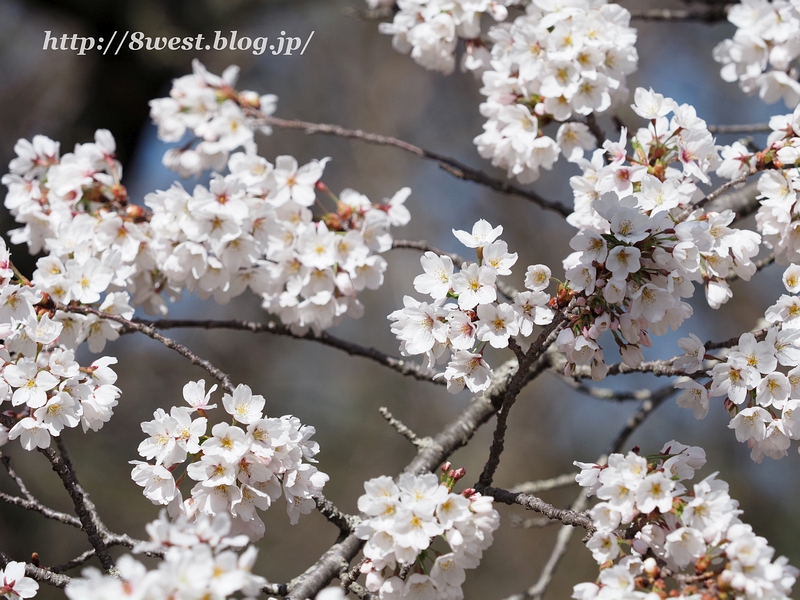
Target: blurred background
{"points": [[350, 75]]}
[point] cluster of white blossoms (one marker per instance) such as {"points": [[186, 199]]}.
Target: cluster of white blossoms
{"points": [[477, 318], [201, 559], [778, 184], [669, 157], [240, 467], [46, 387], [672, 531], [219, 118], [74, 208], [556, 61], [760, 378], [400, 523], [430, 29], [763, 52], [641, 244], [254, 228]]}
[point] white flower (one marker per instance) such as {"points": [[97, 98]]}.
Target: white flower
{"points": [[496, 255], [482, 234], [466, 368], [227, 441], [59, 412], [750, 423], [650, 105], [537, 277], [296, 184], [243, 405], [474, 285], [623, 260], [791, 278], [195, 395], [32, 434], [604, 546], [157, 481], [32, 384], [695, 397], [436, 279], [655, 492], [694, 354], [496, 323], [13, 582], [685, 544]]}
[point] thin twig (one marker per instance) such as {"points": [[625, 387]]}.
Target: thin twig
{"points": [[705, 14], [454, 435], [536, 487], [150, 331], [451, 165], [75, 562], [360, 591], [636, 419], [346, 523], [608, 393], [515, 386], [532, 523], [565, 534], [29, 502], [37, 573], [743, 201], [401, 427], [423, 246], [41, 509], [498, 438], [531, 502], [746, 128], [660, 368], [759, 334], [721, 190], [84, 508], [347, 577], [402, 366], [596, 130]]}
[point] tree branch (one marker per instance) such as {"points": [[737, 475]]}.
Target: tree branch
{"points": [[37, 573], [711, 196], [401, 427], [402, 366], [535, 487], [454, 435], [516, 383], [29, 502], [636, 419], [84, 508], [531, 523], [704, 14], [150, 331], [75, 562], [530, 502], [743, 201], [537, 590], [346, 523], [609, 394], [451, 165], [746, 128]]}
